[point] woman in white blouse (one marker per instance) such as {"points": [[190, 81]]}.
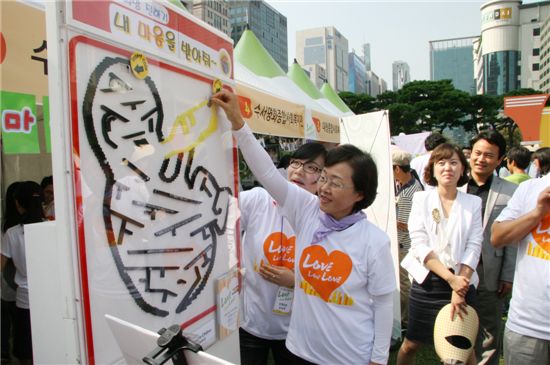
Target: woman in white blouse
{"points": [[446, 234], [344, 277]]}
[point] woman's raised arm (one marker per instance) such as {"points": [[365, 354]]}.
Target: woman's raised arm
{"points": [[256, 157]]}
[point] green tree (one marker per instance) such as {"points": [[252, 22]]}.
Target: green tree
{"points": [[428, 105], [358, 103]]}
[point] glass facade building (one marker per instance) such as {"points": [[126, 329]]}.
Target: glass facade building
{"points": [[452, 59], [268, 25], [357, 75], [500, 72]]}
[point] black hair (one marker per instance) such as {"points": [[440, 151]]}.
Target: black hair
{"points": [[442, 152], [284, 161], [310, 151], [29, 197], [494, 138], [11, 215], [520, 155], [48, 180], [365, 173], [405, 168], [543, 155], [434, 140]]}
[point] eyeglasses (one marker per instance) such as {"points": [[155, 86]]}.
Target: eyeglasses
{"points": [[337, 185], [309, 167]]}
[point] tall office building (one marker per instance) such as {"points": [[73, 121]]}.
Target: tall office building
{"points": [[366, 56], [383, 85], [373, 84], [317, 74], [357, 75], [500, 46], [477, 56], [512, 55], [544, 55], [452, 59], [267, 24], [532, 19], [401, 74], [213, 12], [328, 48]]}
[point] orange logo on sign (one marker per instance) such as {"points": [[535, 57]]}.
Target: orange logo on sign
{"points": [[324, 272], [541, 234], [245, 106], [279, 249], [317, 123]]}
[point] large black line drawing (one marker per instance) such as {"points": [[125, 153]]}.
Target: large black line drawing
{"points": [[162, 227]]}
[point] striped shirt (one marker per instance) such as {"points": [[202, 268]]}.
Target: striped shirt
{"points": [[403, 207]]}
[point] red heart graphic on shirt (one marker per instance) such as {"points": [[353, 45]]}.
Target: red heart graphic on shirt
{"points": [[541, 234], [279, 249], [324, 272]]}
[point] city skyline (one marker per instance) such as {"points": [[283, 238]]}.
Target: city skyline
{"points": [[395, 30]]}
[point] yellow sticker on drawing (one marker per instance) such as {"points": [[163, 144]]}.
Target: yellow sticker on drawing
{"points": [[217, 86], [138, 64]]}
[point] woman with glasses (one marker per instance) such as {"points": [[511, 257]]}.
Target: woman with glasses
{"points": [[446, 232], [344, 275], [268, 257]]}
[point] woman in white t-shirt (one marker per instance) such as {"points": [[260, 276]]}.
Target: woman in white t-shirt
{"points": [[344, 277], [268, 257], [28, 198], [446, 234]]}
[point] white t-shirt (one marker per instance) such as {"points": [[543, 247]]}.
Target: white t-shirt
{"points": [[268, 238], [351, 270], [13, 246], [529, 312], [7, 293], [333, 317]]}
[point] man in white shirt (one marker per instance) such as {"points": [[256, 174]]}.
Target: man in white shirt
{"points": [[419, 163], [526, 220]]}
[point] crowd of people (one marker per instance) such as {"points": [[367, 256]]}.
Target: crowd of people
{"points": [[473, 228], [460, 228], [26, 202]]}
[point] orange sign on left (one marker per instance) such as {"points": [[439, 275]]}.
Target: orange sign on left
{"points": [[23, 49]]}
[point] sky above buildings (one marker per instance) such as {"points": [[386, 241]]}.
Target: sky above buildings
{"points": [[396, 30]]}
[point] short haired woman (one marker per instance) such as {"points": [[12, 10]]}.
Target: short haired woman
{"points": [[344, 275]]}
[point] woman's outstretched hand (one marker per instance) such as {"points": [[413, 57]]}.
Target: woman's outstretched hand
{"points": [[229, 102]]}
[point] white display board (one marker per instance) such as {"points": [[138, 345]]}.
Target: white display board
{"points": [[371, 133], [153, 167]]}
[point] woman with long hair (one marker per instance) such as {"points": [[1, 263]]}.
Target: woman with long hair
{"points": [[28, 202], [344, 275], [446, 232]]}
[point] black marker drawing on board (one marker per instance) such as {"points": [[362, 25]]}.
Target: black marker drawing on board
{"points": [[152, 208]]}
